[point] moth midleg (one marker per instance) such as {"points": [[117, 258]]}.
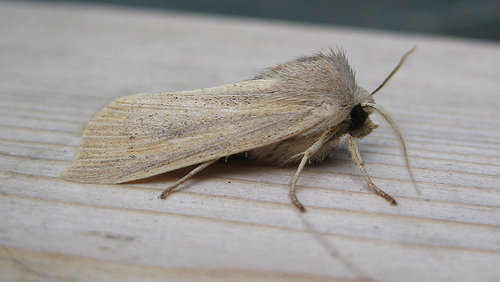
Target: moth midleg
{"points": [[197, 169], [307, 154], [356, 157]]}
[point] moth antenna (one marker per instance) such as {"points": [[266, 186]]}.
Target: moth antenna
{"points": [[394, 70], [396, 129]]}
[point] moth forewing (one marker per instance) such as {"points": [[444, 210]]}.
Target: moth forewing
{"points": [[293, 113], [148, 134]]}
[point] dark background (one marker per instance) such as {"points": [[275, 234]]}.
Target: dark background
{"points": [[472, 19]]}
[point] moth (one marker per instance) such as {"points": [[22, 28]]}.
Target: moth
{"points": [[293, 113]]}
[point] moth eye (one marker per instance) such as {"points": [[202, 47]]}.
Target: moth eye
{"points": [[358, 117]]}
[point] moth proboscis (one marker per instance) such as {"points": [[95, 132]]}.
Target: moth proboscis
{"points": [[293, 113]]}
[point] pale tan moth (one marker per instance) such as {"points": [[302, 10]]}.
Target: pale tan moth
{"points": [[293, 113]]}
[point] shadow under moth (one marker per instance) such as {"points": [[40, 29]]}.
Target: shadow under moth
{"points": [[293, 113]]}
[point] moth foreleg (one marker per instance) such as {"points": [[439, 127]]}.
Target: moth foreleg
{"points": [[356, 157], [197, 169]]}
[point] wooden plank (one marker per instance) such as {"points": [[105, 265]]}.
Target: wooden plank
{"points": [[60, 64]]}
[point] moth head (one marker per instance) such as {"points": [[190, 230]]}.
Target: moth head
{"points": [[360, 123]]}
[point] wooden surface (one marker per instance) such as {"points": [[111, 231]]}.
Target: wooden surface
{"points": [[59, 65]]}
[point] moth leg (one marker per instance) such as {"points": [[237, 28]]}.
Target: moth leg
{"points": [[294, 180], [306, 155], [356, 157], [197, 169]]}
